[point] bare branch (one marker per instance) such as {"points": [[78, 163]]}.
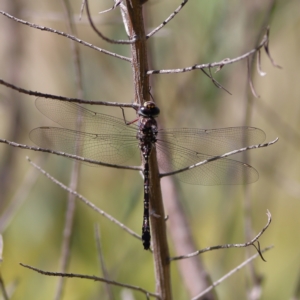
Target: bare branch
{"points": [[68, 230], [216, 283], [81, 9], [250, 80], [259, 70], [166, 21], [117, 3], [215, 82], [72, 156], [56, 97], [212, 65], [221, 66], [101, 262], [122, 42], [266, 46], [84, 200], [75, 50], [229, 245], [44, 28], [218, 157], [95, 278]]}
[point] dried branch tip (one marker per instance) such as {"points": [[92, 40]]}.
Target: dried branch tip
{"points": [[266, 46], [112, 8]]}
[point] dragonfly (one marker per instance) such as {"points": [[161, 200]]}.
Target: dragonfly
{"points": [[112, 140]]}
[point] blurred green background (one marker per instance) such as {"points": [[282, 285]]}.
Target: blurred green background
{"points": [[204, 31]]}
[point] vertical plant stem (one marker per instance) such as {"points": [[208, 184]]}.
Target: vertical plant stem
{"points": [[132, 12], [14, 106], [71, 206], [255, 285], [108, 287], [193, 273]]}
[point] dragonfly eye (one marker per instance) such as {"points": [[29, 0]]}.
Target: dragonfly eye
{"points": [[149, 109]]}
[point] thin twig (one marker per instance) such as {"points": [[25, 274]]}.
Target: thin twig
{"points": [[254, 286], [81, 9], [212, 65], [226, 246], [59, 17], [122, 42], [250, 80], [258, 64], [44, 28], [166, 21], [213, 158], [117, 3], [67, 99], [84, 200], [95, 278], [216, 283], [68, 230], [72, 156], [101, 262], [74, 48], [215, 82], [266, 46]]}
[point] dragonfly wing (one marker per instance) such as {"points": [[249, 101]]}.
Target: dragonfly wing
{"points": [[222, 171], [114, 149], [75, 117], [213, 141]]}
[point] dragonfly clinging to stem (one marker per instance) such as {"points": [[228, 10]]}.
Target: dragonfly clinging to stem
{"points": [[110, 140]]}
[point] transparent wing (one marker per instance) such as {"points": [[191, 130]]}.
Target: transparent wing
{"points": [[75, 117], [212, 141], [109, 148], [86, 133], [179, 148], [108, 139]]}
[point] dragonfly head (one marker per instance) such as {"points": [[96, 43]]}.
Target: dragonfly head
{"points": [[149, 109]]}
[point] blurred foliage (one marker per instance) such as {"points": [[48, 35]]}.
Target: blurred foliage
{"points": [[204, 31]]}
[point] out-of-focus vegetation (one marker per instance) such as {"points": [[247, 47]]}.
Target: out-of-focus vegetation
{"points": [[204, 31]]}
